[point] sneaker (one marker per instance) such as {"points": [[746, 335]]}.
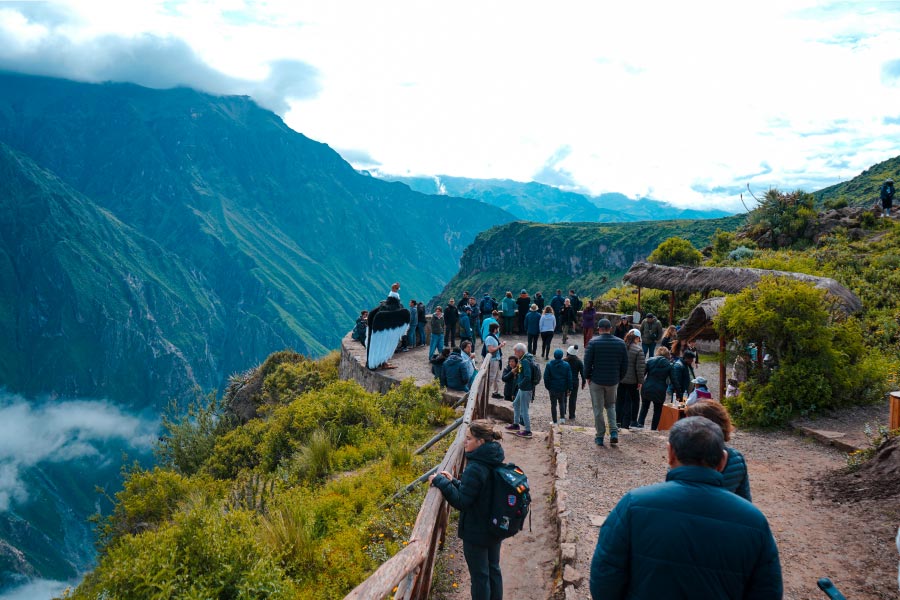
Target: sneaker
{"points": [[497, 395], [613, 440], [562, 420], [637, 425], [525, 434], [598, 441], [512, 427]]}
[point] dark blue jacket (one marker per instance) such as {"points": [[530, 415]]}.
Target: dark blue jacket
{"points": [[686, 538], [558, 376], [735, 474], [556, 303], [526, 363], [533, 322], [455, 374], [681, 378], [577, 369], [605, 360], [465, 328], [471, 494], [656, 378]]}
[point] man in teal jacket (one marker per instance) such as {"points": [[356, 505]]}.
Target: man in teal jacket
{"points": [[688, 537]]}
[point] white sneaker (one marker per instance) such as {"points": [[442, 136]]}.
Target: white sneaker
{"points": [[562, 421]]}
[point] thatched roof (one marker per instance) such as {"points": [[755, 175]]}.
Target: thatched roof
{"points": [[730, 280], [699, 321]]}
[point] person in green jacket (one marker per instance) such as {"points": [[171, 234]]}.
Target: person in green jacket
{"points": [[508, 308]]}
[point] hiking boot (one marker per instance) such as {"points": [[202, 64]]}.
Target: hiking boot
{"points": [[525, 434], [496, 395], [598, 441], [613, 440], [512, 427]]}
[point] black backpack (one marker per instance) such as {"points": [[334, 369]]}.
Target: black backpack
{"points": [[536, 374], [510, 500]]}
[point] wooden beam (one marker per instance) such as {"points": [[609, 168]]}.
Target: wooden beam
{"points": [[671, 307], [639, 301], [721, 368]]}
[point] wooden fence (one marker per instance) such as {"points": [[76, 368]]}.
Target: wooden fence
{"points": [[410, 570]]}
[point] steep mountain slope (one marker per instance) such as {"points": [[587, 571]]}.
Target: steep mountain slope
{"points": [[589, 257], [547, 204], [286, 241], [87, 303], [864, 189]]}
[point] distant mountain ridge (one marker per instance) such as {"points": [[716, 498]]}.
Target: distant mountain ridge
{"points": [[589, 257], [211, 234], [543, 203]]}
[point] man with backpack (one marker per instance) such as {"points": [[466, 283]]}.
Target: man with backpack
{"points": [[529, 376]]}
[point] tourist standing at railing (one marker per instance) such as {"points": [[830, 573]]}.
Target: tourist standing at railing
{"points": [[539, 300], [522, 403], [548, 325], [568, 316], [420, 326], [508, 306], [588, 321], [471, 495], [533, 328], [523, 303]]}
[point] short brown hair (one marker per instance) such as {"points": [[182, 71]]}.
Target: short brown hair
{"points": [[715, 412], [482, 429]]}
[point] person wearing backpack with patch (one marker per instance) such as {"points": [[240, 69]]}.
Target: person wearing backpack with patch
{"points": [[472, 495]]}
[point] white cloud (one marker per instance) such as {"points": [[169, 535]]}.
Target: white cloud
{"points": [[51, 432], [661, 98], [36, 588]]}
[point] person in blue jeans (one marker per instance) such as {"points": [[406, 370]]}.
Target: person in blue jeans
{"points": [[525, 395], [437, 331]]}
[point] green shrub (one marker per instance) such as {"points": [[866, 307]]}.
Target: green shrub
{"points": [[675, 251], [741, 253], [314, 460], [189, 438], [835, 203]]}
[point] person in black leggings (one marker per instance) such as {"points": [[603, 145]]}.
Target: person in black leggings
{"points": [[548, 326]]}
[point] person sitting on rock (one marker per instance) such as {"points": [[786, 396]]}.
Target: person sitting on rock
{"points": [[437, 363], [455, 374], [359, 331], [700, 392]]}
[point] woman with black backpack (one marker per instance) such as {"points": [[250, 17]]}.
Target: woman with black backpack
{"points": [[471, 495]]}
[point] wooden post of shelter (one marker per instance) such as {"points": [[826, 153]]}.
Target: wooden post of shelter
{"points": [[639, 300], [721, 368]]}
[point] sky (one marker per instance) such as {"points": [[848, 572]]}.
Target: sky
{"points": [[687, 102]]}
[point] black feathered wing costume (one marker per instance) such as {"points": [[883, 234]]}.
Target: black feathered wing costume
{"points": [[387, 324]]}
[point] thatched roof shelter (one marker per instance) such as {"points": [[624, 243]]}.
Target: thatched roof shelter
{"points": [[699, 322], [729, 280]]}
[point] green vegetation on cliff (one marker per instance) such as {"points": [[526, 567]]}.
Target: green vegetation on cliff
{"points": [[864, 189], [589, 257], [294, 503]]}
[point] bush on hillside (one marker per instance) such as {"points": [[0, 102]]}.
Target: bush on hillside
{"points": [[782, 220], [675, 251], [819, 362]]}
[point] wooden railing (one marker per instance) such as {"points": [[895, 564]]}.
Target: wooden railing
{"points": [[410, 570]]}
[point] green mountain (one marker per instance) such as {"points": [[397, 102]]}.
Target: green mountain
{"points": [[178, 237], [542, 203], [588, 257], [865, 188]]}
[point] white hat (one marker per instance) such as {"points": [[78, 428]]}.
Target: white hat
{"points": [[573, 350], [636, 332], [699, 380]]}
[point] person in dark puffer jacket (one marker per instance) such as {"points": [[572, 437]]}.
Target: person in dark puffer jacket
{"points": [[658, 373], [509, 377], [687, 537], [558, 381], [471, 495], [455, 373], [737, 479]]}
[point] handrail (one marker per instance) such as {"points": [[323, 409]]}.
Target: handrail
{"points": [[410, 570]]}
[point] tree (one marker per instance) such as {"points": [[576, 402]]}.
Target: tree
{"points": [[820, 361], [675, 251]]}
